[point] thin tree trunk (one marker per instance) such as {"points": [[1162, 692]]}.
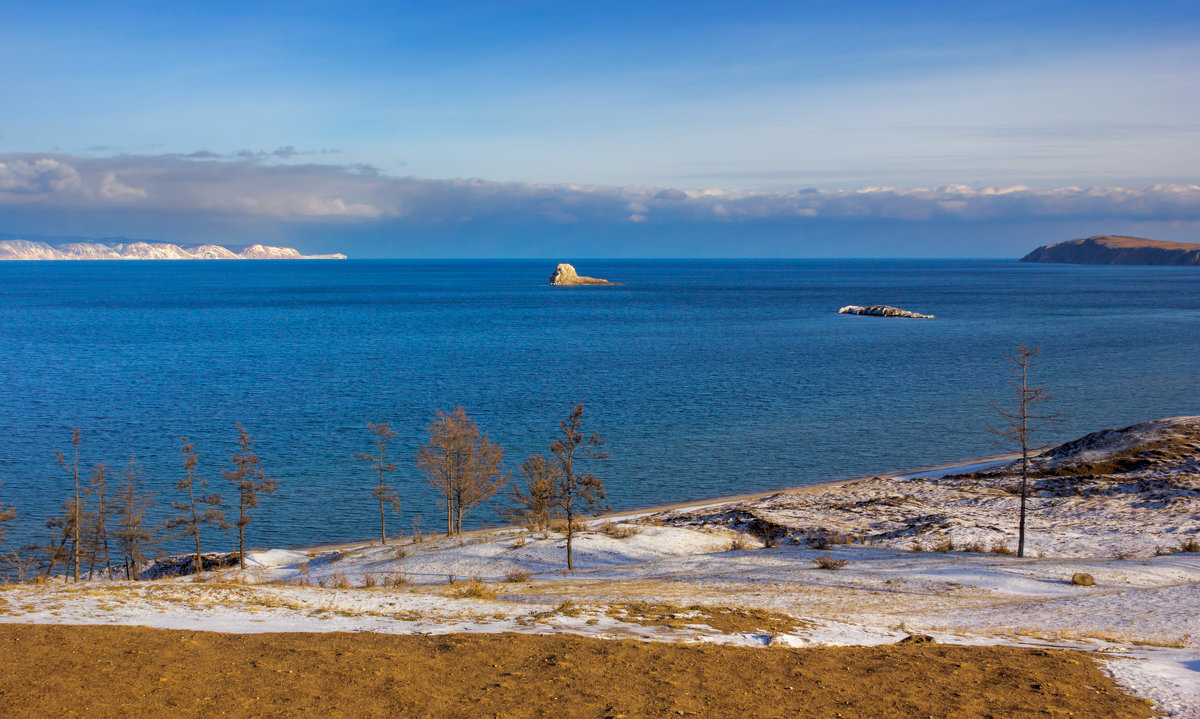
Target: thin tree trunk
{"points": [[195, 526], [75, 549], [1024, 492], [570, 536], [382, 523]]}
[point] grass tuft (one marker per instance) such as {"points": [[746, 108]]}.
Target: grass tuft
{"points": [[827, 562]]}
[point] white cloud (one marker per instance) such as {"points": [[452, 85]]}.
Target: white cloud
{"points": [[315, 192]]}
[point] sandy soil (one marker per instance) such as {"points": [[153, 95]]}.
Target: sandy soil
{"points": [[132, 671]]}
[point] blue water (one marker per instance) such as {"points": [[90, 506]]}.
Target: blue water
{"points": [[708, 377]]}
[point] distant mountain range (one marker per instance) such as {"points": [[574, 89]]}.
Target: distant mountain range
{"points": [[121, 248], [1117, 250]]}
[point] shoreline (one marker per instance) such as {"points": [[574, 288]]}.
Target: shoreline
{"points": [[686, 504]]}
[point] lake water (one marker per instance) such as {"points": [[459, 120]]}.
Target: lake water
{"points": [[708, 377]]}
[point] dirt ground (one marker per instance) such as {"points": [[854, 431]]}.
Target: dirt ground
{"points": [[96, 671]]}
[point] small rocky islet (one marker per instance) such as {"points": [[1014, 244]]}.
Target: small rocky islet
{"points": [[882, 311], [564, 275]]}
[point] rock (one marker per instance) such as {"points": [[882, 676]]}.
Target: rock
{"points": [[918, 639], [1117, 250], [881, 311], [1082, 579], [564, 275]]}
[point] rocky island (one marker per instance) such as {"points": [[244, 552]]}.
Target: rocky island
{"points": [[882, 311], [565, 275], [1117, 250], [18, 249]]}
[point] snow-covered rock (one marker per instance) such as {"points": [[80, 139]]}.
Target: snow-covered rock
{"points": [[881, 311], [565, 275]]}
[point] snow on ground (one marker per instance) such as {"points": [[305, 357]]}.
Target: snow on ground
{"points": [[664, 575]]}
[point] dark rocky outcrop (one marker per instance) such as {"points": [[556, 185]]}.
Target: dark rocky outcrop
{"points": [[882, 311], [1117, 250], [564, 275]]}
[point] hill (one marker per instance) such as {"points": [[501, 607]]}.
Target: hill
{"points": [[1117, 250]]}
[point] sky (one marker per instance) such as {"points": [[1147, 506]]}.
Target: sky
{"points": [[619, 129]]}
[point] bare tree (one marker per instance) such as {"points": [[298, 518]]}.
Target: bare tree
{"points": [[382, 491], [575, 493], [66, 530], [96, 522], [76, 505], [133, 535], [11, 561], [462, 465], [533, 506], [199, 509], [1022, 424], [247, 475], [7, 514]]}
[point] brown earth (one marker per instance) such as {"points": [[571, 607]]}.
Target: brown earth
{"points": [[61, 671]]}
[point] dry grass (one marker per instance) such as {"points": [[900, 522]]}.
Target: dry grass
{"points": [[620, 531], [722, 619], [827, 562], [517, 576], [474, 588], [738, 543]]}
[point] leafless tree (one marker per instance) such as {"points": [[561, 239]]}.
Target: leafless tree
{"points": [[9, 560], [576, 493], [66, 530], [461, 464], [200, 509], [247, 475], [76, 506], [7, 514], [133, 535], [382, 491], [96, 522], [1022, 424], [533, 506]]}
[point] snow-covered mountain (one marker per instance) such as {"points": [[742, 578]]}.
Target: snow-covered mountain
{"points": [[17, 249]]}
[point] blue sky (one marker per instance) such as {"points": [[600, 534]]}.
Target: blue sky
{"points": [[347, 125]]}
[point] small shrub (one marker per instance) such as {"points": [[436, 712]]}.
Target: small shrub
{"points": [[399, 579], [825, 540], [518, 542], [475, 588], [1122, 554], [944, 544], [400, 552], [976, 547], [619, 531], [560, 526], [1191, 544], [517, 576], [738, 543], [1001, 548], [827, 562], [368, 581], [338, 580]]}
